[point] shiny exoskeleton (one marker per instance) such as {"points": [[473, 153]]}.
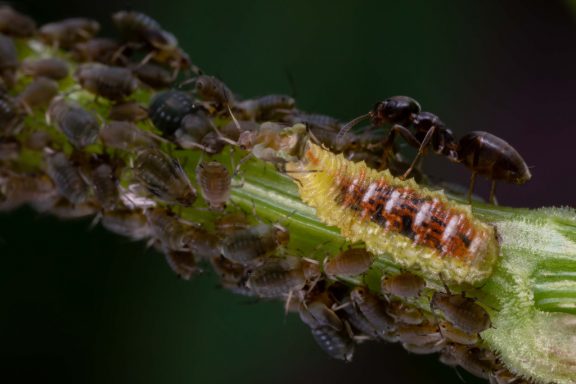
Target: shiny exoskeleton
{"points": [[167, 109], [215, 182], [337, 344], [113, 83], [163, 177], [52, 67], [80, 126], [488, 155]]}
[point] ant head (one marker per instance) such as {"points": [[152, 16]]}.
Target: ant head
{"points": [[395, 110]]}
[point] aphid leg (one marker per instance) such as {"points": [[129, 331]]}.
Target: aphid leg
{"points": [[421, 149], [471, 188], [492, 199]]}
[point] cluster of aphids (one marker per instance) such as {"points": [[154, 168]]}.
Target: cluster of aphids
{"points": [[134, 185]]}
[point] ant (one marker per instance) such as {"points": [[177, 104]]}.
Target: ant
{"points": [[482, 152]]}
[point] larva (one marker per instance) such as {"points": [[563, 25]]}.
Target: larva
{"points": [[417, 227]]}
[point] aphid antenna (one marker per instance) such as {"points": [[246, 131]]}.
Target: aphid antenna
{"points": [[349, 125]]}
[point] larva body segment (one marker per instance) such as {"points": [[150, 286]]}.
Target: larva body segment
{"points": [[417, 227]]}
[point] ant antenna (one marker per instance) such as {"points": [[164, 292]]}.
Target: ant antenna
{"points": [[348, 126]]}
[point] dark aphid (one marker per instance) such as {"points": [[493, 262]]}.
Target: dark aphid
{"points": [[126, 136], [129, 223], [154, 75], [11, 120], [68, 32], [14, 23], [490, 156], [232, 276], [67, 178], [405, 285], [317, 312], [128, 111], [477, 361], [373, 309], [183, 263], [113, 83], [139, 27], [461, 311], [39, 93], [212, 143], [266, 108], [212, 90], [456, 335], [251, 245], [424, 349], [52, 68], [101, 50], [276, 279], [163, 177], [8, 61], [214, 181], [405, 313], [17, 189], [337, 344], [232, 131], [104, 183], [351, 262], [167, 109], [80, 126], [419, 334], [193, 128], [357, 320], [9, 148], [394, 110]]}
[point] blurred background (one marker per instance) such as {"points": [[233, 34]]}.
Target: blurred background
{"points": [[82, 305]]}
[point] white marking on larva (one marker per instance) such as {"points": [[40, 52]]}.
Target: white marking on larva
{"points": [[423, 214], [352, 186], [370, 192], [475, 244], [392, 202], [451, 228]]}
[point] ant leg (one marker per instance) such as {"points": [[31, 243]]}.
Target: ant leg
{"points": [[493, 193], [421, 150], [471, 188]]}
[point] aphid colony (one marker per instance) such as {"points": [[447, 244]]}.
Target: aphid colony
{"points": [[127, 174]]}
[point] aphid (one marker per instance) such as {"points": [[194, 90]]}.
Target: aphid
{"points": [[424, 349], [276, 279], [405, 285], [105, 184], [183, 263], [456, 335], [80, 126], [405, 313], [501, 375], [210, 89], [131, 223], [68, 32], [490, 156], [192, 130], [231, 222], [8, 61], [38, 93], [232, 276], [316, 313], [163, 177], [394, 110], [9, 148], [373, 309], [17, 189], [214, 181], [167, 109], [251, 245], [337, 344], [266, 108], [67, 178], [99, 50], [113, 83], [212, 143], [52, 68], [138, 27], [357, 320], [11, 120], [477, 361], [64, 209], [323, 128], [128, 111], [16, 24], [461, 311], [419, 334], [153, 75], [351, 262], [418, 227], [126, 136]]}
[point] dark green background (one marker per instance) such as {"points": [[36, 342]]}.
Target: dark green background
{"points": [[81, 305]]}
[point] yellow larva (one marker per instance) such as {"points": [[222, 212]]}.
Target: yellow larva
{"points": [[418, 228]]}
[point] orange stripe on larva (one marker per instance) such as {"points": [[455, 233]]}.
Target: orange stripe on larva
{"points": [[419, 228]]}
